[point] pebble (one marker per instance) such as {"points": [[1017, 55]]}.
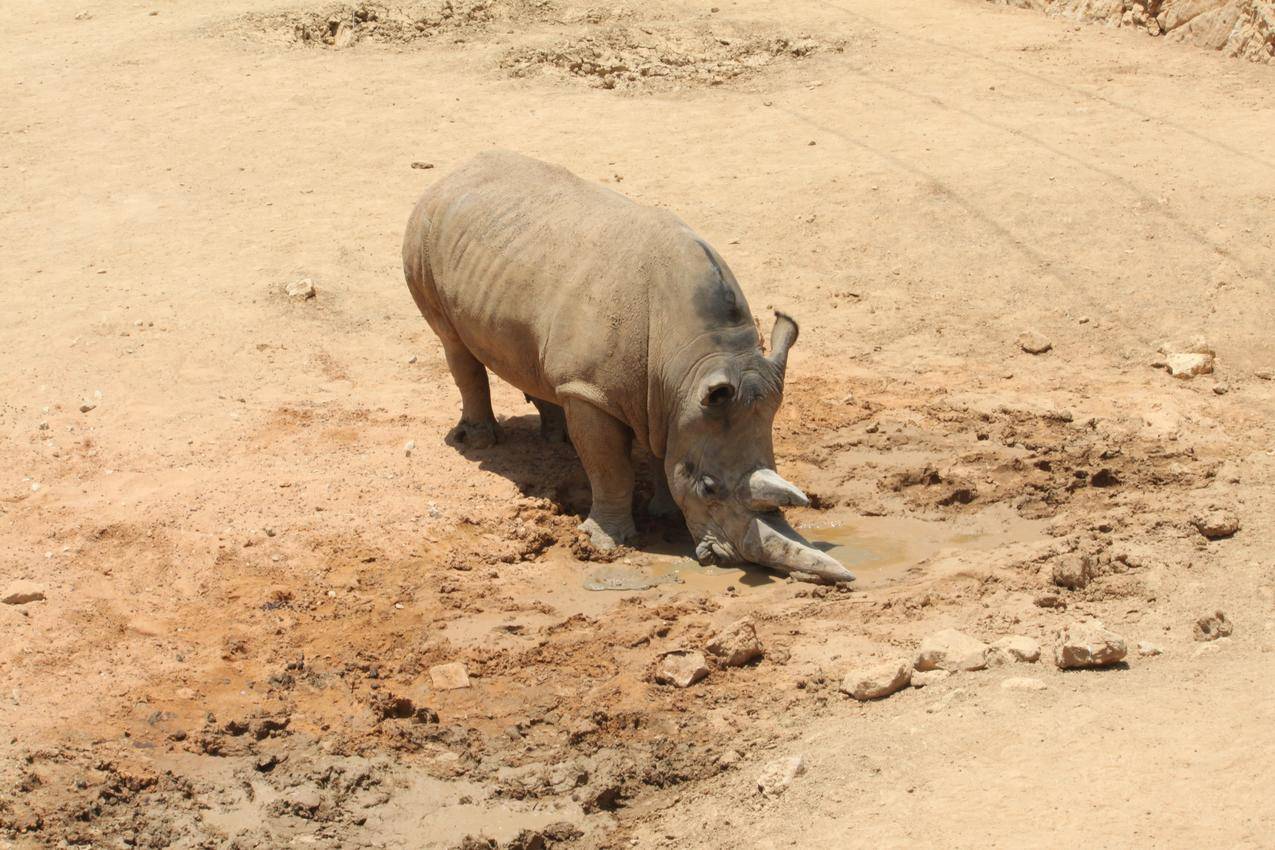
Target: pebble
{"points": [[21, 592], [1091, 644], [681, 667], [922, 678], [1034, 343], [422, 165], [449, 677], [737, 644], [1185, 365], [1212, 626], [409, 447], [87, 406], [1022, 683], [776, 776], [1014, 649], [1147, 649], [1211, 647], [951, 650], [877, 681], [412, 359], [300, 290], [1217, 524]]}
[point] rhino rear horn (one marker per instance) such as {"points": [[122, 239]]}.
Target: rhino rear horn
{"points": [[782, 336]]}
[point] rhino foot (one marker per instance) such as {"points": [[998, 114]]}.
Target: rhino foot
{"points": [[475, 435], [608, 534]]}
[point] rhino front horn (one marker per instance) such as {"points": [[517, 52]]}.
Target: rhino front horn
{"points": [[772, 542], [766, 490]]}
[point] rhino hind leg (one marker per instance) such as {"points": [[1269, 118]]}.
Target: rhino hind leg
{"points": [[603, 444], [477, 428], [553, 420]]}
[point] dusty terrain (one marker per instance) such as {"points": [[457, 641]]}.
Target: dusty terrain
{"points": [[253, 545]]}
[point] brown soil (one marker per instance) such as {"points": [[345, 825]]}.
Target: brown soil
{"points": [[248, 574]]}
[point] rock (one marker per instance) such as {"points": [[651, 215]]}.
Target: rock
{"points": [[1073, 572], [922, 678], [1022, 683], [1089, 644], [21, 592], [300, 290], [411, 359], [681, 667], [1209, 627], [1211, 647], [877, 681], [409, 447], [1265, 374], [776, 776], [87, 406], [1217, 523], [737, 644], [450, 676], [1033, 342], [1186, 365], [1014, 649], [422, 165], [1147, 649], [951, 650]]}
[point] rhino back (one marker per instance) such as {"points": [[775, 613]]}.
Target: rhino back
{"points": [[558, 285]]}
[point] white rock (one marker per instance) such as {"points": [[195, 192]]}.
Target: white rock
{"points": [[21, 592], [1147, 649], [1187, 364], [737, 644], [681, 667], [300, 289], [1088, 645], [879, 680], [1034, 343], [951, 650], [1014, 649], [922, 678], [409, 447], [776, 776], [1023, 683], [450, 676]]}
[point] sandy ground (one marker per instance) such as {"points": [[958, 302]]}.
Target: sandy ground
{"points": [[248, 576]]}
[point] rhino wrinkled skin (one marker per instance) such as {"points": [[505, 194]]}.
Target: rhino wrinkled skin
{"points": [[618, 323]]}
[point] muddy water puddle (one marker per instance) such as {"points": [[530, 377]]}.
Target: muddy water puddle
{"points": [[878, 550]]}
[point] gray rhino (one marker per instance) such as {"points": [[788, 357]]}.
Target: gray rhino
{"points": [[619, 323]]}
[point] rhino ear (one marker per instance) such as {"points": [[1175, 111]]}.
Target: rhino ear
{"points": [[716, 390], [782, 336]]}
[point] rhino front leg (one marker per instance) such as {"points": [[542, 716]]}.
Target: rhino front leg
{"points": [[603, 443], [477, 427]]}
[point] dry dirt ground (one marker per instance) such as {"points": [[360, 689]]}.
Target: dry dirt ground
{"points": [[248, 574]]}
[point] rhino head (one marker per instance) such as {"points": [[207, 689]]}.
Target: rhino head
{"points": [[720, 462]]}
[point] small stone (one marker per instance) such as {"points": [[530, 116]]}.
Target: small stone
{"points": [[877, 681], [1089, 644], [1186, 364], [923, 678], [411, 359], [422, 165], [1148, 649], [1073, 572], [1023, 683], [681, 667], [728, 759], [449, 677], [1221, 389], [737, 644], [1014, 649], [409, 447], [1209, 627], [951, 650], [1049, 600], [1217, 524], [87, 406], [21, 592], [300, 290], [1033, 342], [1210, 648], [1265, 374], [776, 776]]}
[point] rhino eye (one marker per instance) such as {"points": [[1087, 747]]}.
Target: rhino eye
{"points": [[709, 487], [719, 395]]}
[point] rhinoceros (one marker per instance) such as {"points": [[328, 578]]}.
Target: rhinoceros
{"points": [[619, 323]]}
